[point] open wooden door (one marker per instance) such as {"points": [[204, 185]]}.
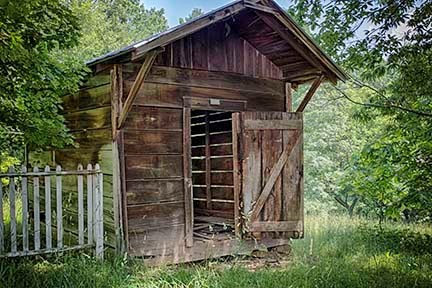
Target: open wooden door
{"points": [[269, 173]]}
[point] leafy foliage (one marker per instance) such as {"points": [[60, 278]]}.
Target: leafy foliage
{"points": [[387, 45], [107, 25], [31, 79]]}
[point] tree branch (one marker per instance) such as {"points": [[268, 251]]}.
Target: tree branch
{"points": [[392, 106]]}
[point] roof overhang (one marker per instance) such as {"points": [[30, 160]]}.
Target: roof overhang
{"points": [[261, 22]]}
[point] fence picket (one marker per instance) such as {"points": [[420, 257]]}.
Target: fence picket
{"points": [[94, 208], [80, 207], [12, 211], [89, 205], [36, 210], [48, 229], [99, 212], [25, 210], [1, 218], [59, 208]]}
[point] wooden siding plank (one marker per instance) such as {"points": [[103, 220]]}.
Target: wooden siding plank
{"points": [[149, 142], [154, 118], [154, 191], [148, 216], [89, 119], [140, 167], [222, 80]]}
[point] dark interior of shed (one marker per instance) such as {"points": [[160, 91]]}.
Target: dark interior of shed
{"points": [[212, 174]]}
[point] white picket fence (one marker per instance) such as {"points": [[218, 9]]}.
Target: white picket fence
{"points": [[25, 181]]}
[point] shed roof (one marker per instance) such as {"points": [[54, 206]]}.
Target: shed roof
{"points": [[261, 22]]}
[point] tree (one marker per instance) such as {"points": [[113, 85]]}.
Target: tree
{"points": [[195, 13], [387, 45], [332, 136], [108, 25], [31, 79]]}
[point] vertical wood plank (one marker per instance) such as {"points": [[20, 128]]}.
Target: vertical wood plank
{"points": [[207, 162], [59, 207], [1, 218], [187, 174], [89, 205], [24, 192], [236, 170], [272, 150], [117, 80], [301, 175], [48, 228], [36, 210], [288, 97], [115, 99], [12, 212], [123, 196], [80, 206], [117, 196], [98, 197]]}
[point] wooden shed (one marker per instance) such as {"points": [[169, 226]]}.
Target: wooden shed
{"points": [[197, 137]]}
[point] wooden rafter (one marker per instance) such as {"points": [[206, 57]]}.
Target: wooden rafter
{"points": [[289, 37], [310, 93], [139, 81]]}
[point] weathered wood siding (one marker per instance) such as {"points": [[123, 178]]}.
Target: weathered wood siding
{"points": [[154, 179], [218, 48], [88, 117]]}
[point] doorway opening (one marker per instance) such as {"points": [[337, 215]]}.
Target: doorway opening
{"points": [[212, 175]]}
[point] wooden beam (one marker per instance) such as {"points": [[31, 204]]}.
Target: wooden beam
{"points": [[310, 93], [276, 226], [139, 81], [237, 174], [263, 8], [272, 124], [288, 97], [187, 176], [274, 174]]}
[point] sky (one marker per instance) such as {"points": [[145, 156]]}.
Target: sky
{"points": [[174, 9]]}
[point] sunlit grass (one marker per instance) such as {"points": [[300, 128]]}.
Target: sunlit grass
{"points": [[336, 252]]}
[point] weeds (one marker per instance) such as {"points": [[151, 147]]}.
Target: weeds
{"points": [[336, 252]]}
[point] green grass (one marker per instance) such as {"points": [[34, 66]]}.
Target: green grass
{"points": [[336, 252]]}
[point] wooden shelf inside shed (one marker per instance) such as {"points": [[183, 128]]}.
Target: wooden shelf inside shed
{"points": [[212, 175]]}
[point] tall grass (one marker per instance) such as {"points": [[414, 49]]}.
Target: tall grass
{"points": [[336, 252]]}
